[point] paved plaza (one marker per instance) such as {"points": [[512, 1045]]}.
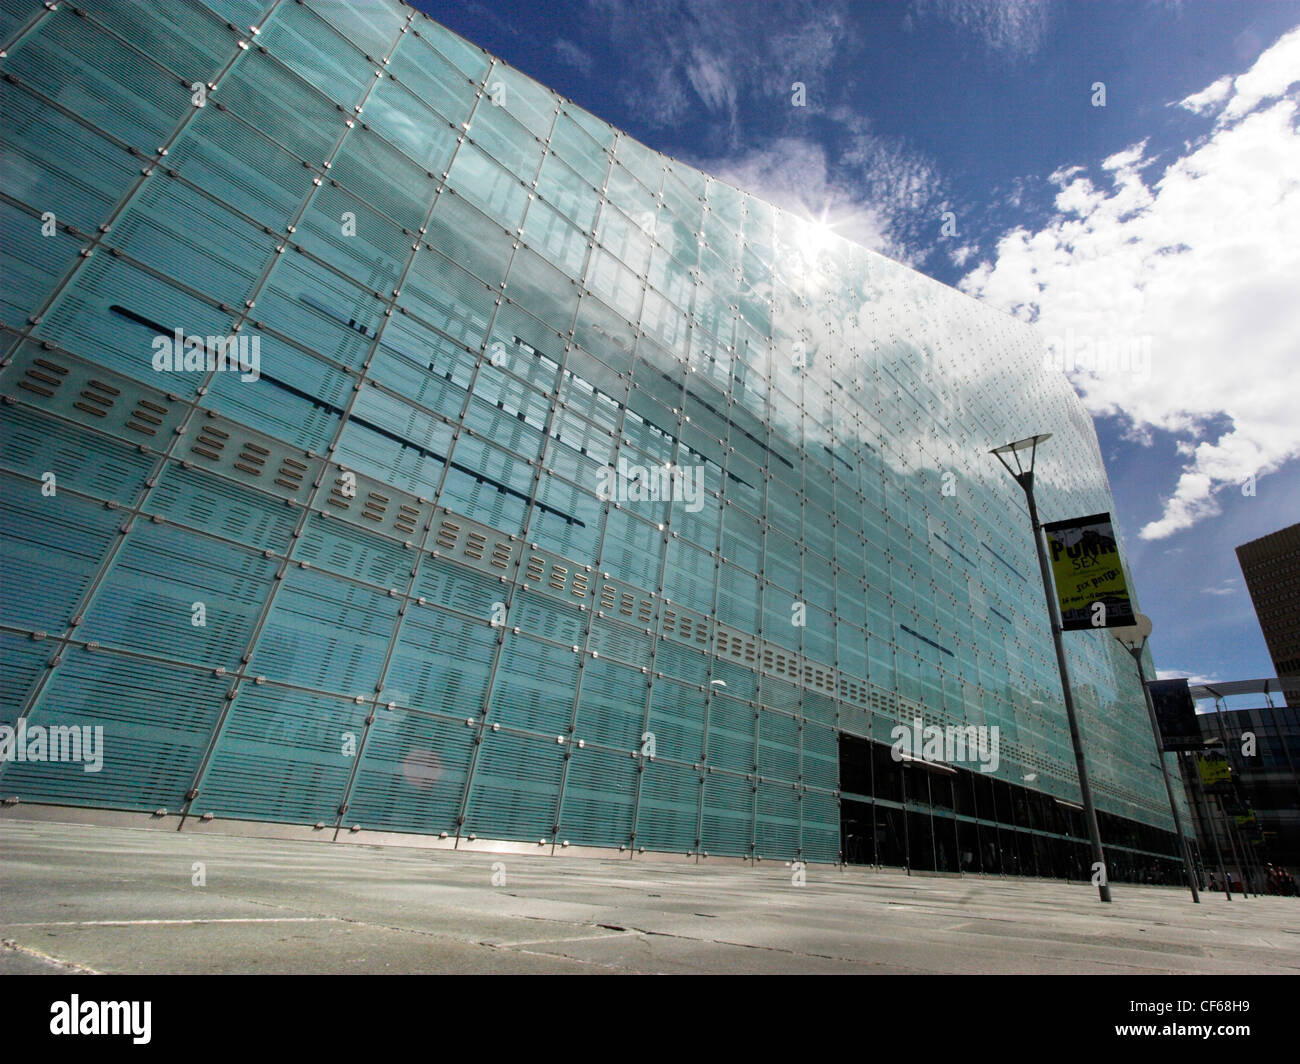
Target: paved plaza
{"points": [[82, 898]]}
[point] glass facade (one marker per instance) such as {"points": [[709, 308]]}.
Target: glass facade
{"points": [[1253, 818], [389, 442]]}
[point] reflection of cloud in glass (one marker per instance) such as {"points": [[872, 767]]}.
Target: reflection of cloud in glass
{"points": [[422, 769]]}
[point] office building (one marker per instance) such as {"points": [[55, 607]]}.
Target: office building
{"points": [[1271, 567], [1255, 814], [393, 448]]}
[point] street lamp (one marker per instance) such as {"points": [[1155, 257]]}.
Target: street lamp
{"points": [[1024, 476], [1133, 638]]}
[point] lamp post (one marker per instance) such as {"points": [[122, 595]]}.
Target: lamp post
{"points": [[1024, 476], [1133, 638], [1210, 828]]}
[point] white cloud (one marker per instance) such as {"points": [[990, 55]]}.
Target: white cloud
{"points": [[573, 56], [1273, 73], [961, 255], [1009, 26], [1200, 264], [877, 192], [712, 79], [794, 174], [1193, 679], [1122, 160], [1209, 97], [720, 55]]}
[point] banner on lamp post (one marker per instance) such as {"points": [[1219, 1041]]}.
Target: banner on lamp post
{"points": [[1215, 773], [1090, 585], [1175, 714]]}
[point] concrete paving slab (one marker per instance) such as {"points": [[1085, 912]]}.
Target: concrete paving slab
{"points": [[119, 899]]}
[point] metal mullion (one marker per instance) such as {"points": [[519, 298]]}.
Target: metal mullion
{"points": [[128, 198], [74, 117], [659, 595], [487, 335], [104, 564], [512, 584], [588, 235], [644, 281], [32, 23], [719, 559], [599, 547], [132, 46], [708, 687], [306, 507], [656, 598], [392, 640], [766, 418], [337, 272]]}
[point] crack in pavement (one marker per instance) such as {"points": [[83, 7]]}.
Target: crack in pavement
{"points": [[57, 962]]}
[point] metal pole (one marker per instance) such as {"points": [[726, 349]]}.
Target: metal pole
{"points": [[1026, 481], [1164, 773], [1278, 721], [1232, 843], [1193, 847], [1229, 823], [1281, 735], [1247, 855], [1258, 881], [907, 828], [1199, 793], [1250, 854]]}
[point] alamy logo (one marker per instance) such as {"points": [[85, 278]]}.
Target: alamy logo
{"points": [[1100, 354], [58, 742], [665, 483], [179, 353], [102, 1017], [952, 744]]}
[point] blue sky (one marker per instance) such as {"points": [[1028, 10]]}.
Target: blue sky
{"points": [[1160, 231]]}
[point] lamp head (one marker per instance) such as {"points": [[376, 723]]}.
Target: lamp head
{"points": [[1017, 452], [1134, 635]]}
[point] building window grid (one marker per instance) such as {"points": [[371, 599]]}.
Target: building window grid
{"points": [[533, 494]]}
